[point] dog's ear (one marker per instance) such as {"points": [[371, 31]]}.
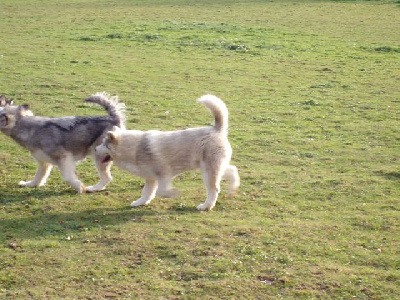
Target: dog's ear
{"points": [[24, 110], [113, 137], [3, 100]]}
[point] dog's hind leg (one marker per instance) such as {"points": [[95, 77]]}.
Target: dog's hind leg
{"points": [[103, 169], [165, 188], [232, 175], [42, 173], [68, 171], [212, 177], [148, 193]]}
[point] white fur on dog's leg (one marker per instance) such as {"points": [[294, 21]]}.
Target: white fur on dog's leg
{"points": [[104, 173], [210, 202], [42, 173], [99, 186], [232, 175], [67, 168], [212, 178], [148, 193]]}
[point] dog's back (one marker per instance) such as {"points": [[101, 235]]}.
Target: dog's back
{"points": [[180, 150], [72, 134], [77, 135]]}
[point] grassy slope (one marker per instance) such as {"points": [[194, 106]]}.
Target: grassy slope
{"points": [[312, 89]]}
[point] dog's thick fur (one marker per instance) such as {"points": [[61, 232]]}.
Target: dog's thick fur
{"points": [[63, 141], [158, 156]]}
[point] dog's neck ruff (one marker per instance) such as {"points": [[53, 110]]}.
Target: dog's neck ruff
{"points": [[6, 131]]}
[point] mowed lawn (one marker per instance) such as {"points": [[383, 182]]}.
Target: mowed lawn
{"points": [[313, 91]]}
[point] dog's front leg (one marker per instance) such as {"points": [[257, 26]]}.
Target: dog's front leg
{"points": [[42, 173], [103, 169], [148, 193]]}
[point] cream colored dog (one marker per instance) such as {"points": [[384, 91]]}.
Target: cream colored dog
{"points": [[158, 156]]}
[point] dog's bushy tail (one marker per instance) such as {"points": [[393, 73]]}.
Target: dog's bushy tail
{"points": [[112, 105], [218, 109]]}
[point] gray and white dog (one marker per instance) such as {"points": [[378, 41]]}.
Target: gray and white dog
{"points": [[63, 141], [158, 156]]}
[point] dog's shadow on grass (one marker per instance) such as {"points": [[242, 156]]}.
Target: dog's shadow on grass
{"points": [[43, 223], [22, 193], [389, 175]]}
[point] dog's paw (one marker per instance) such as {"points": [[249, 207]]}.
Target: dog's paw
{"points": [[232, 192], [26, 184], [135, 204], [81, 189], [140, 202], [93, 188], [203, 207]]}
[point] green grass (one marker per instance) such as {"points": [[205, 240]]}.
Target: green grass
{"points": [[313, 93]]}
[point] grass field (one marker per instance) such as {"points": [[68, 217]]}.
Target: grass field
{"points": [[313, 90]]}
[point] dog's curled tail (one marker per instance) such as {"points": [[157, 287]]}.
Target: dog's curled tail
{"points": [[112, 105], [218, 109]]}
